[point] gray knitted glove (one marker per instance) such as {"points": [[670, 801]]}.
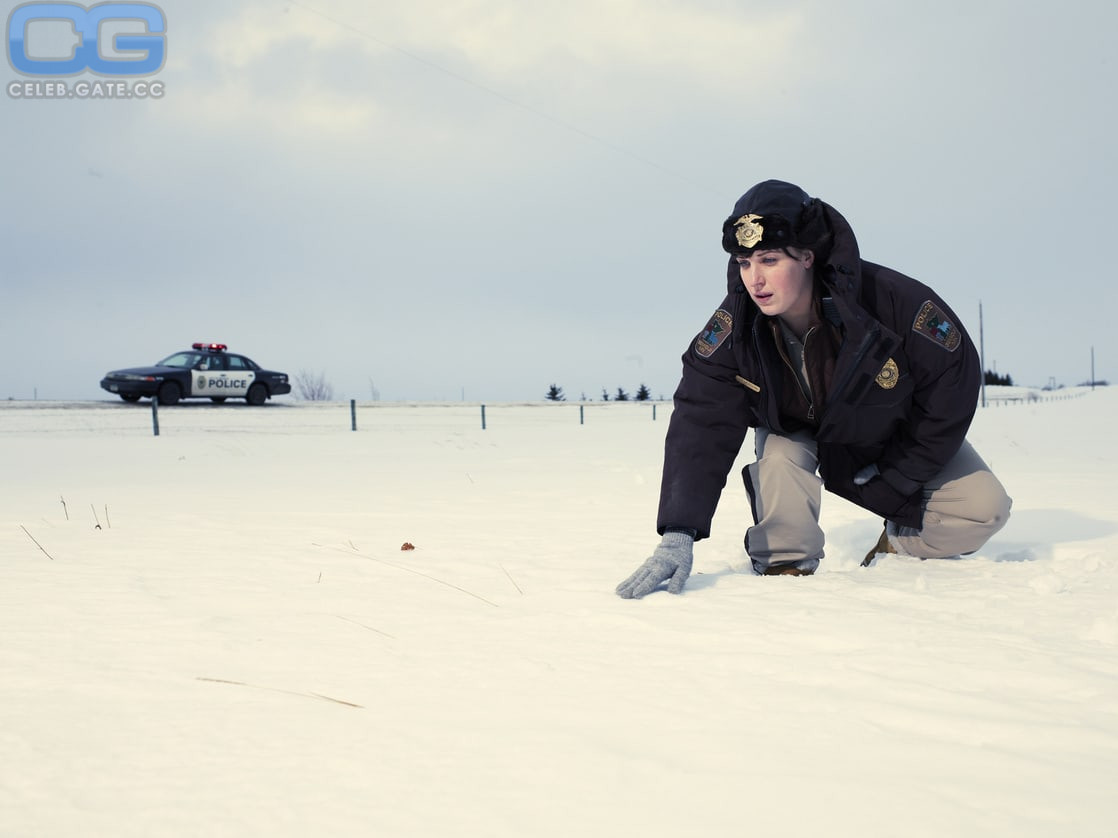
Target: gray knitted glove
{"points": [[670, 561], [866, 474]]}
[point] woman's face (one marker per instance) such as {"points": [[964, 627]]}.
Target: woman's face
{"points": [[780, 285]]}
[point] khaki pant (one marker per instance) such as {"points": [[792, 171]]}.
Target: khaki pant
{"points": [[964, 505]]}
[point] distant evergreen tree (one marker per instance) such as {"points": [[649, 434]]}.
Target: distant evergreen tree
{"points": [[642, 394], [621, 396], [555, 394], [605, 395], [994, 378]]}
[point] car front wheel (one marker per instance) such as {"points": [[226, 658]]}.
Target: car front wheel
{"points": [[257, 394], [130, 397], [169, 393]]}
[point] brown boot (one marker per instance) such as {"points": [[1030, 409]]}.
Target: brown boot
{"points": [[882, 546]]}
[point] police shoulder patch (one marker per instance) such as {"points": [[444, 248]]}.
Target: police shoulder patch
{"points": [[716, 331], [936, 326]]}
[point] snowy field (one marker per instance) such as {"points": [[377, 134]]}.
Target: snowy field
{"points": [[215, 632]]}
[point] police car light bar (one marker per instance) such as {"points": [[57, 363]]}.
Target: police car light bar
{"points": [[212, 347]]}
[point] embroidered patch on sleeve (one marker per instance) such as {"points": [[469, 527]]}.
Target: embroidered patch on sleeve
{"points": [[716, 331], [935, 325]]}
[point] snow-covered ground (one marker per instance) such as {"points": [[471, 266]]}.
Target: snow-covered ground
{"points": [[215, 632]]}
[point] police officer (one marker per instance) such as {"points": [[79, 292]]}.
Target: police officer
{"points": [[856, 379]]}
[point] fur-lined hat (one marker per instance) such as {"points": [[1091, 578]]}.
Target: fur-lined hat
{"points": [[774, 215]]}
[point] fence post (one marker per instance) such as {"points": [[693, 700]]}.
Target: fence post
{"points": [[581, 408], [353, 414], [483, 417], [654, 413], [155, 415]]}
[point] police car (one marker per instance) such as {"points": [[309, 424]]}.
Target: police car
{"points": [[206, 371]]}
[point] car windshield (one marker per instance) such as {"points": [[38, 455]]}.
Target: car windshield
{"points": [[183, 360]]}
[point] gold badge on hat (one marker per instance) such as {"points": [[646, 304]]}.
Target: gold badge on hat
{"points": [[887, 378], [748, 232]]}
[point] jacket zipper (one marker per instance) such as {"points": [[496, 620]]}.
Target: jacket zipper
{"points": [[811, 395], [808, 396]]}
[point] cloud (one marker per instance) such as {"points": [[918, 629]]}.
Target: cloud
{"points": [[425, 73], [541, 185]]}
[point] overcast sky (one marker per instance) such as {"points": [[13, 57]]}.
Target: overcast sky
{"points": [[438, 199]]}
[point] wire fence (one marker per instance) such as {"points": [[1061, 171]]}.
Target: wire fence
{"points": [[287, 417], [1004, 399], [281, 417]]}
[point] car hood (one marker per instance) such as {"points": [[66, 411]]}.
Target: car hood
{"points": [[155, 370]]}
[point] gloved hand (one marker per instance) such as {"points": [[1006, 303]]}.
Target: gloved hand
{"points": [[865, 475], [669, 561]]}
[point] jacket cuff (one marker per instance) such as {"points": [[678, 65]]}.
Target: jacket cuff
{"points": [[693, 533]]}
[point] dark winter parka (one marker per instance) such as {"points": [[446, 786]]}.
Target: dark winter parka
{"points": [[901, 395]]}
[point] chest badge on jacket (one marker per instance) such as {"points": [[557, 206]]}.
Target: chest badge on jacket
{"points": [[932, 323], [716, 331], [887, 378]]}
